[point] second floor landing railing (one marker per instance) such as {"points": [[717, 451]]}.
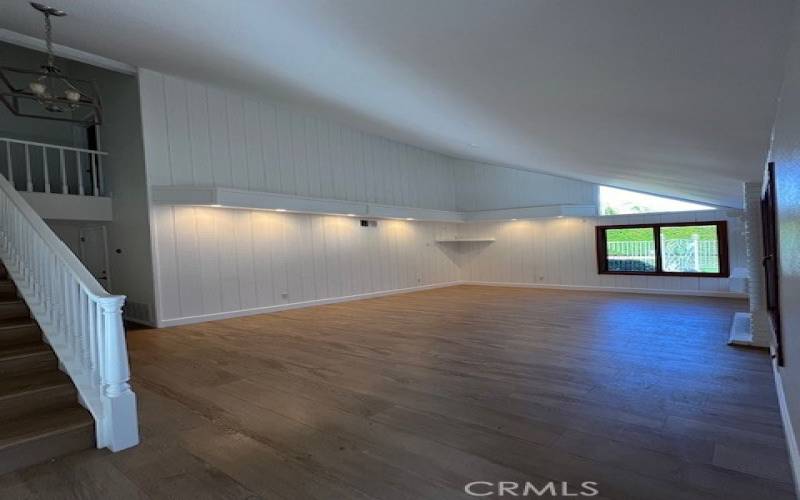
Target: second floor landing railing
{"points": [[50, 168]]}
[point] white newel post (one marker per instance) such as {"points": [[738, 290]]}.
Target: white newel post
{"points": [[119, 402], [759, 330]]}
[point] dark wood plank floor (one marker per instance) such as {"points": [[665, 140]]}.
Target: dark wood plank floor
{"points": [[412, 396]]}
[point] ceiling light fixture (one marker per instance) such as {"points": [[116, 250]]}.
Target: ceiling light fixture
{"points": [[280, 209], [75, 100], [409, 218]]}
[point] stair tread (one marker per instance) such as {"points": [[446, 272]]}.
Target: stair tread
{"points": [[10, 386], [16, 323], [41, 416], [14, 351], [42, 425]]}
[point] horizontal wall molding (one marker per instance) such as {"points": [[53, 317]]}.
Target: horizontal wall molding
{"points": [[253, 200], [423, 214], [532, 212], [260, 200], [580, 288], [298, 305]]}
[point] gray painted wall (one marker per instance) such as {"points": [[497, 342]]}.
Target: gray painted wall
{"points": [[120, 135], [33, 129], [785, 152]]}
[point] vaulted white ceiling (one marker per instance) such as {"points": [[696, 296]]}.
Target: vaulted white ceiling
{"points": [[674, 97]]}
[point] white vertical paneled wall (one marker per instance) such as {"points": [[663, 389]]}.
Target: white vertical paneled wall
{"points": [[198, 135], [480, 186], [214, 263], [561, 252]]}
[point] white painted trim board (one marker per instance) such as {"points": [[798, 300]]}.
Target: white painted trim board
{"points": [[788, 429], [33, 43]]}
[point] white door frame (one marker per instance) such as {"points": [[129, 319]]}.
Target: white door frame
{"points": [[107, 282]]}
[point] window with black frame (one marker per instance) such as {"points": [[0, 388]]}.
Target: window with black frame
{"points": [[770, 238], [672, 249]]}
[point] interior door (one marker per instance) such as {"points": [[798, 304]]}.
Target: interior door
{"points": [[94, 253]]}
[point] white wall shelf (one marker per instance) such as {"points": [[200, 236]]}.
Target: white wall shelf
{"points": [[537, 212], [465, 240], [260, 200]]}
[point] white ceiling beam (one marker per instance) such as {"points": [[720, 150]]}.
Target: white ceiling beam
{"points": [[33, 43]]}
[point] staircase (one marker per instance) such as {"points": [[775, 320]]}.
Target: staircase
{"points": [[47, 293], [40, 417]]}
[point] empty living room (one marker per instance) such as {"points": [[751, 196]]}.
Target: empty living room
{"points": [[399, 249]]}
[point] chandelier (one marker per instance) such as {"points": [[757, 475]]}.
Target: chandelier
{"points": [[48, 93]]}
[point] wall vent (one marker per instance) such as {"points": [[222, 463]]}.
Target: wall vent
{"points": [[137, 311]]}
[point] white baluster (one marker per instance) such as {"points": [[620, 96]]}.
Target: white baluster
{"points": [[8, 163], [80, 172], [102, 187], [29, 184], [58, 295], [64, 189], [93, 161], [46, 170], [92, 334], [101, 344], [67, 308], [86, 330], [74, 330], [48, 285]]}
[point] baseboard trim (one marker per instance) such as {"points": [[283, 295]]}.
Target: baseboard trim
{"points": [[788, 429], [648, 291], [297, 305]]}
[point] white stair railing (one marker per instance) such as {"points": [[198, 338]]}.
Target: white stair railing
{"points": [[80, 320], [69, 177]]}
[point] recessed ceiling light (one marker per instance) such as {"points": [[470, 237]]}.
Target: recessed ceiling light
{"points": [[514, 219], [280, 209], [409, 218], [216, 205], [351, 215], [560, 216]]}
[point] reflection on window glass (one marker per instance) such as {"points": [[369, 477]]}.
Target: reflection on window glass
{"points": [[631, 250], [690, 249]]}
